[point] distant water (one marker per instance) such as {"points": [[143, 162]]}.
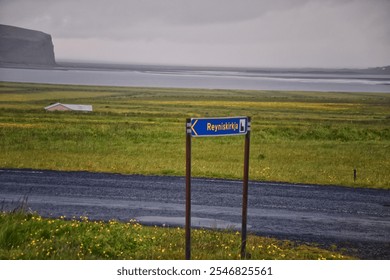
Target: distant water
{"points": [[208, 79]]}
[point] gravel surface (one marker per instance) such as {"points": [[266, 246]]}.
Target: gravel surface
{"points": [[355, 219]]}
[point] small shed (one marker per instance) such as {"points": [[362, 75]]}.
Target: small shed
{"points": [[69, 107]]}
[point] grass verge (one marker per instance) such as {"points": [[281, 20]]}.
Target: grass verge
{"points": [[29, 236]]}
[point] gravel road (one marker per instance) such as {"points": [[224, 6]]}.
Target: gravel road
{"points": [[356, 219]]}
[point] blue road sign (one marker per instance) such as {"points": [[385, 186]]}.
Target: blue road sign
{"points": [[209, 127]]}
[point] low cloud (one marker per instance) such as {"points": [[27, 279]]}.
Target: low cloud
{"points": [[322, 33]]}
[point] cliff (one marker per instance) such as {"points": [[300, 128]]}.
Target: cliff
{"points": [[25, 47]]}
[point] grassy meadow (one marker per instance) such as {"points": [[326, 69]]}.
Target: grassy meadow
{"points": [[300, 137]]}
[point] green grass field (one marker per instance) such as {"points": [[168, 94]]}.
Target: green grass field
{"points": [[29, 236], [300, 137]]}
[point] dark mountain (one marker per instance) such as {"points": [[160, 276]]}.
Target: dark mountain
{"points": [[25, 47]]}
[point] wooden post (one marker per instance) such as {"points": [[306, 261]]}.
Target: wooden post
{"points": [[188, 191], [245, 192]]}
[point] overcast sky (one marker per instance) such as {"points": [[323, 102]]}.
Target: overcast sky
{"points": [[255, 33]]}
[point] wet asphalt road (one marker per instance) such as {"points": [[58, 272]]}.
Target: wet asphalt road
{"points": [[358, 219]]}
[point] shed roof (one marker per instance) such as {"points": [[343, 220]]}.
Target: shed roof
{"points": [[73, 107]]}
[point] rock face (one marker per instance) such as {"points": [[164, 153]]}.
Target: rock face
{"points": [[25, 47]]}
